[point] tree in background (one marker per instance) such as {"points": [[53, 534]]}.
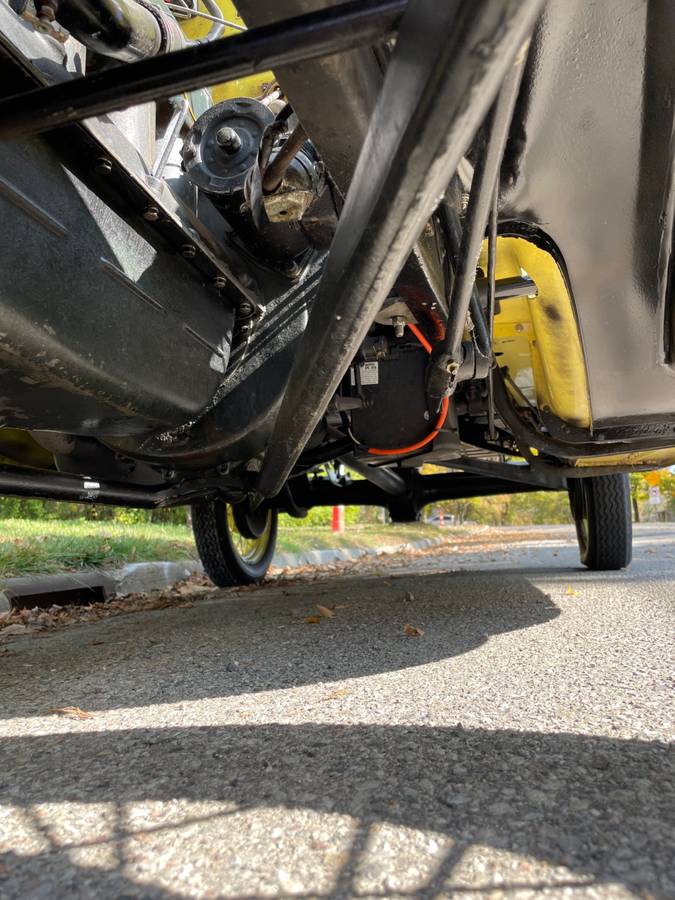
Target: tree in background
{"points": [[639, 491], [535, 508], [552, 507]]}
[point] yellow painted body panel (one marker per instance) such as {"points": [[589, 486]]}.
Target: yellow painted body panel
{"points": [[657, 459], [538, 337], [252, 86]]}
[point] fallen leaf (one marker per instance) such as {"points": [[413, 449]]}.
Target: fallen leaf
{"points": [[410, 631], [74, 712], [97, 643], [9, 630], [335, 695], [312, 620], [325, 612]]}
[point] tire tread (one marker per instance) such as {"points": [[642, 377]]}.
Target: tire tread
{"points": [[213, 546], [610, 528]]}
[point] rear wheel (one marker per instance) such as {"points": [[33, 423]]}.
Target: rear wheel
{"points": [[602, 515], [235, 544]]}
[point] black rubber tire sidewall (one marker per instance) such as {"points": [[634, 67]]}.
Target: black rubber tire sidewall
{"points": [[217, 552], [605, 503]]}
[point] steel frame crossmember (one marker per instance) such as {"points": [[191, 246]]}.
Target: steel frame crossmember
{"points": [[320, 33]]}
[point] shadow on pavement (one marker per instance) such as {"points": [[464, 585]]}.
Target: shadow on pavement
{"points": [[259, 641], [602, 808]]}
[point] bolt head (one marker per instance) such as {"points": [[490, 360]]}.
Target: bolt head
{"points": [[399, 325], [219, 282], [103, 166], [245, 309], [188, 251], [228, 139], [151, 214], [291, 270]]}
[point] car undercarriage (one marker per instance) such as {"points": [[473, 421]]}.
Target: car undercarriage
{"points": [[428, 244]]}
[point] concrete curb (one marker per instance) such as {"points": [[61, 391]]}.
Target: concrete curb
{"points": [[344, 554], [142, 577]]}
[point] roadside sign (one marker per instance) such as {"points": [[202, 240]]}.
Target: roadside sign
{"points": [[653, 479], [654, 495]]}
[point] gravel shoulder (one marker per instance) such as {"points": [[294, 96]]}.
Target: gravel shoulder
{"points": [[520, 746]]}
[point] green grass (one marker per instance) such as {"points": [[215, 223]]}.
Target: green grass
{"points": [[294, 540], [30, 546]]}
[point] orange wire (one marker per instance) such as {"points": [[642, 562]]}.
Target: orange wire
{"points": [[442, 416], [420, 337]]}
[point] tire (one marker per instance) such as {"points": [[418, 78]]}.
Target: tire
{"points": [[602, 515], [231, 558]]}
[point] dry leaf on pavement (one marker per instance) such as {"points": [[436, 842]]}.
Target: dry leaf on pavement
{"points": [[325, 612], [74, 712], [336, 695], [410, 631], [312, 620], [18, 628]]}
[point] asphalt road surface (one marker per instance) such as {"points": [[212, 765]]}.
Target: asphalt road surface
{"points": [[519, 747]]}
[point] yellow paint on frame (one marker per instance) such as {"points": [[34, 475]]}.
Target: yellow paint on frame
{"points": [[251, 86], [657, 459], [537, 337]]}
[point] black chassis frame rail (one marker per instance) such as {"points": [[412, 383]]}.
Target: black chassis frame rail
{"points": [[441, 98], [441, 95], [421, 491], [321, 33], [304, 492]]}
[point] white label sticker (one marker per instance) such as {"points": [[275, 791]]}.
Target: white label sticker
{"points": [[369, 373]]}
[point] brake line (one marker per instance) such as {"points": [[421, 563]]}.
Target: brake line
{"points": [[442, 416]]}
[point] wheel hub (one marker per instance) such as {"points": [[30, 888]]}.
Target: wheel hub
{"points": [[250, 522]]}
